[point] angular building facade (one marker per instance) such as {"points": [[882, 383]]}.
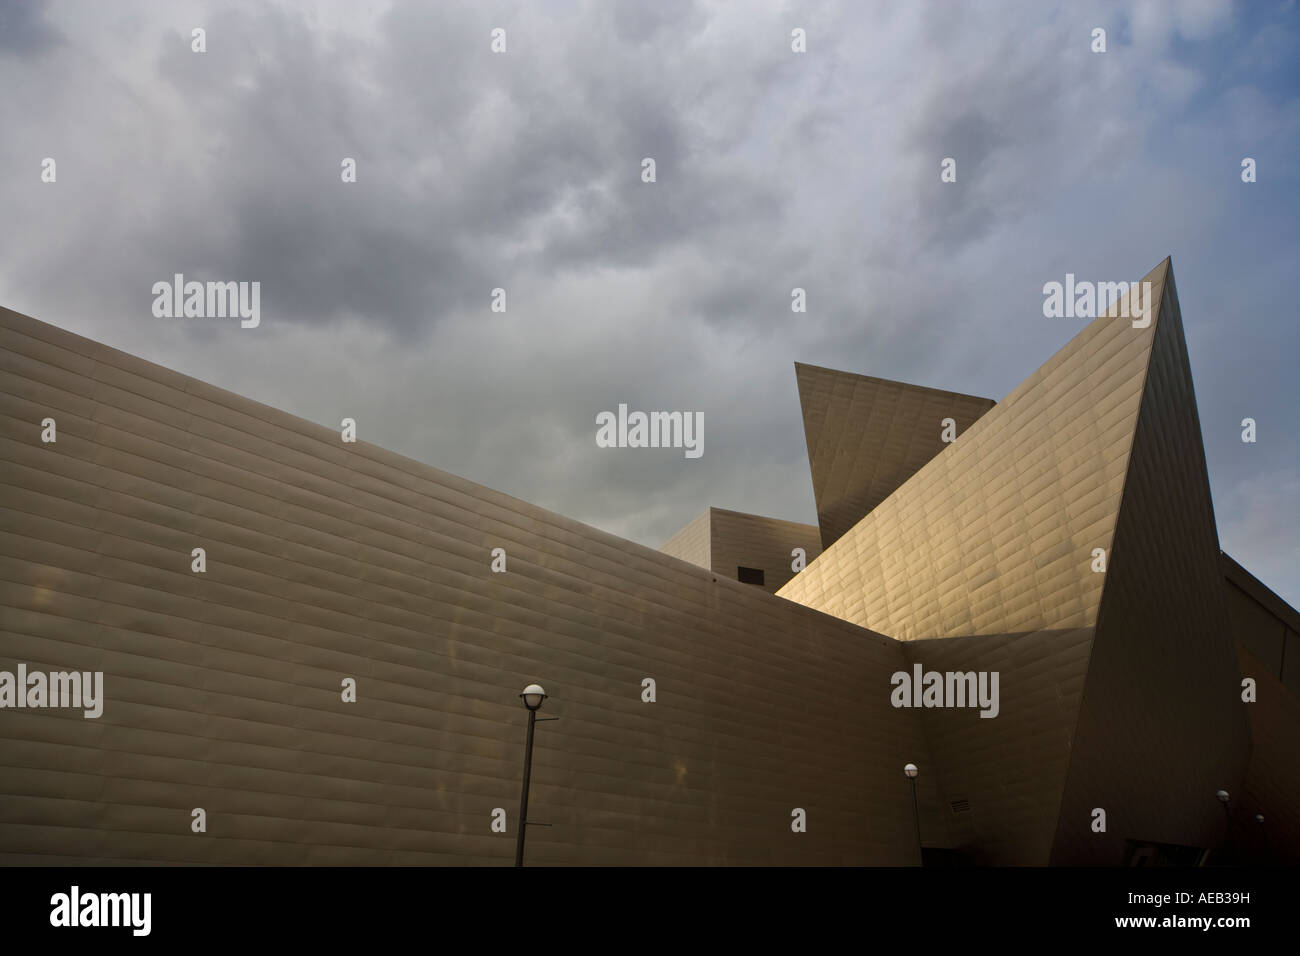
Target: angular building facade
{"points": [[1065, 541], [328, 561], [866, 436], [993, 545], [748, 548]]}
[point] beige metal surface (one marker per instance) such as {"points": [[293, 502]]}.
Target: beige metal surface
{"points": [[1118, 690], [327, 561], [725, 541], [754, 541], [691, 543], [1162, 725], [995, 534], [1004, 775], [867, 435]]}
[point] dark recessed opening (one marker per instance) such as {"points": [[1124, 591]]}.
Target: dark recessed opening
{"points": [[749, 575]]}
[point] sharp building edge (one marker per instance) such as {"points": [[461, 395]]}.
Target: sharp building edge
{"points": [[1120, 688]]}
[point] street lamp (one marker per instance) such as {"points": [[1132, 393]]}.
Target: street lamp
{"points": [[532, 696], [910, 771]]}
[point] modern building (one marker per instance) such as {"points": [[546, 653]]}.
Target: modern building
{"points": [[338, 683], [750, 548]]}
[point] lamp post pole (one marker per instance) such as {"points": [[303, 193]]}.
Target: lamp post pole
{"points": [[532, 696], [911, 771]]}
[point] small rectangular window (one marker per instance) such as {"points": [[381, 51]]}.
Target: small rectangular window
{"points": [[749, 575]]}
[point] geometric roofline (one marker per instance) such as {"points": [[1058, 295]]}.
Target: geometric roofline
{"points": [[936, 557], [1120, 684], [866, 436], [1259, 591]]}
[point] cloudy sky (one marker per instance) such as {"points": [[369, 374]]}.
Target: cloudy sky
{"points": [[522, 170]]}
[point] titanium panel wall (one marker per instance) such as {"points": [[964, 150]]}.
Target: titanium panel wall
{"points": [[1256, 628], [1162, 725], [1273, 775], [326, 561], [1005, 774], [995, 534], [725, 541], [691, 543], [867, 435], [1291, 662], [754, 541], [1261, 621]]}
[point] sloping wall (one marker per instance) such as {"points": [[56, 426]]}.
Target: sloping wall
{"points": [[867, 435], [327, 561], [995, 535], [1263, 623], [691, 543], [1162, 726]]}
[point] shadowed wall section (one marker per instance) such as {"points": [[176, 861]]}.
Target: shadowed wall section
{"points": [[1263, 623], [1267, 632], [1162, 725], [1272, 786], [1001, 778]]}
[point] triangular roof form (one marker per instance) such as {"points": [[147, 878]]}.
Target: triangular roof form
{"points": [[1162, 635], [867, 435], [996, 533], [993, 542]]}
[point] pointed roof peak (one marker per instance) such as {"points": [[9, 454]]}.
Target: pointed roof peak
{"points": [[812, 370]]}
